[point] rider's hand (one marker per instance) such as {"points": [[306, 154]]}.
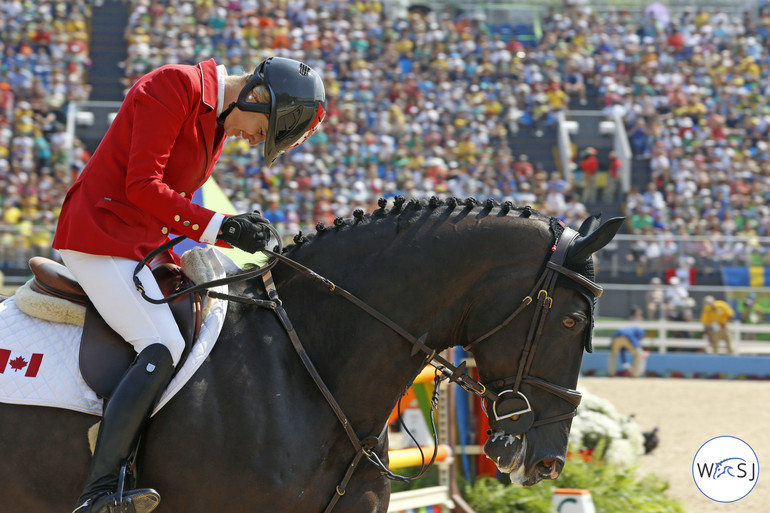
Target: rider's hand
{"points": [[248, 232]]}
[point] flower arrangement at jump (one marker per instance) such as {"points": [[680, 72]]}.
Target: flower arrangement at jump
{"points": [[600, 432], [604, 448]]}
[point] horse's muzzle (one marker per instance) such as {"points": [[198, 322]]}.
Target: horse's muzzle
{"points": [[509, 453]]}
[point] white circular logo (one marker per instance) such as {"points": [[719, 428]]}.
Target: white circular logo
{"points": [[725, 469]]}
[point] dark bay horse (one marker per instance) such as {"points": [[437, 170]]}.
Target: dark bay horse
{"points": [[252, 433]]}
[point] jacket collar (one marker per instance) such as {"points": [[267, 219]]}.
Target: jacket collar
{"points": [[212, 132], [209, 83]]}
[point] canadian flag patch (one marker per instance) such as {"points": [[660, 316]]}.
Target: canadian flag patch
{"points": [[24, 364]]}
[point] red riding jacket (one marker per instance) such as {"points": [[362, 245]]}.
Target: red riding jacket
{"points": [[138, 185]]}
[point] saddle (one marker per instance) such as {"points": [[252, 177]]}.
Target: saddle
{"points": [[104, 355]]}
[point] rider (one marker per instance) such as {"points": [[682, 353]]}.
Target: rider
{"points": [[138, 187]]}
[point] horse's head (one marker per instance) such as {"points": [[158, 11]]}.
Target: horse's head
{"points": [[531, 361], [517, 290]]}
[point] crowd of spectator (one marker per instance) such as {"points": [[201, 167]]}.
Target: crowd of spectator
{"points": [[422, 104], [692, 91], [43, 66], [419, 105]]}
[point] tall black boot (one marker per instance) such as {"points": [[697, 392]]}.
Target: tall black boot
{"points": [[125, 417]]}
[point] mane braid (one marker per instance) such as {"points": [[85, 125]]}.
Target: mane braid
{"points": [[414, 209], [398, 202]]}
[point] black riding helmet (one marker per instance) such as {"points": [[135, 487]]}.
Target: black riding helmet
{"points": [[297, 103]]}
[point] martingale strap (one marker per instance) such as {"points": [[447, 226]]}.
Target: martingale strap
{"points": [[363, 447]]}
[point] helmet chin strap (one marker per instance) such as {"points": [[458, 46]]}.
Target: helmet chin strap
{"points": [[221, 118]]}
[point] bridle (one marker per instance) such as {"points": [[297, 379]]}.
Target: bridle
{"points": [[509, 406], [512, 409]]}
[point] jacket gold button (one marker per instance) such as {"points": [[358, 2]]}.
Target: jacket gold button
{"points": [[186, 223], [177, 218], [195, 227], [164, 230], [183, 194]]}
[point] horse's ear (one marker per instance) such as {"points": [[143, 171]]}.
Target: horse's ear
{"points": [[590, 224], [585, 246]]}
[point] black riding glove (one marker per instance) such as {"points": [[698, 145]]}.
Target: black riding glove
{"points": [[248, 232]]}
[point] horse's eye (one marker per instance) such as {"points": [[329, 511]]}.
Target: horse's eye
{"points": [[569, 322]]}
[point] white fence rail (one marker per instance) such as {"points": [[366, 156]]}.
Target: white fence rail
{"points": [[660, 334]]}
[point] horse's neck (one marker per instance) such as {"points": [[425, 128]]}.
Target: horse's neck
{"points": [[421, 281], [364, 363]]}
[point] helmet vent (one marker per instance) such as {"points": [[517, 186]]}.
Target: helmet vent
{"points": [[304, 69]]}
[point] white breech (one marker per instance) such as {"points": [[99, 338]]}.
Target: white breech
{"points": [[108, 281]]}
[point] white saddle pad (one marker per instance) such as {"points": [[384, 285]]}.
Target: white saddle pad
{"points": [[39, 359]]}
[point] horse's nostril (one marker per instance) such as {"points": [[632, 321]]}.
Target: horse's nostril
{"points": [[550, 468]]}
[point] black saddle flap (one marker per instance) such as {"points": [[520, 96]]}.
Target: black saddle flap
{"points": [[105, 356]]}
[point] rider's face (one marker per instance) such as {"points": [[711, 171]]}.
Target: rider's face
{"points": [[251, 126]]}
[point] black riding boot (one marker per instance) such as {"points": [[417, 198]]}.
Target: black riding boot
{"points": [[125, 416]]}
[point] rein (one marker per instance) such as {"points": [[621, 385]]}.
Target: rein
{"points": [[239, 276], [452, 373], [521, 414]]}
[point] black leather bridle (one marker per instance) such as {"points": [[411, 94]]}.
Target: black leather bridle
{"points": [[510, 406], [512, 409]]}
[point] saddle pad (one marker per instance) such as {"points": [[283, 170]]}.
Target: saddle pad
{"points": [[39, 359]]}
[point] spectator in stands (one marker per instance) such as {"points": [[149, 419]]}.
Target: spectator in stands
{"points": [[524, 169], [714, 317], [639, 138], [589, 165], [656, 303], [676, 299], [614, 165], [574, 81]]}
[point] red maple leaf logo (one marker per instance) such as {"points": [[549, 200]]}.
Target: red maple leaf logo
{"points": [[18, 363]]}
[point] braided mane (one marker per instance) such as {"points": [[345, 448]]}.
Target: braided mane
{"points": [[409, 211]]}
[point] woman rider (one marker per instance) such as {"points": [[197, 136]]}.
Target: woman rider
{"points": [[138, 187]]}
